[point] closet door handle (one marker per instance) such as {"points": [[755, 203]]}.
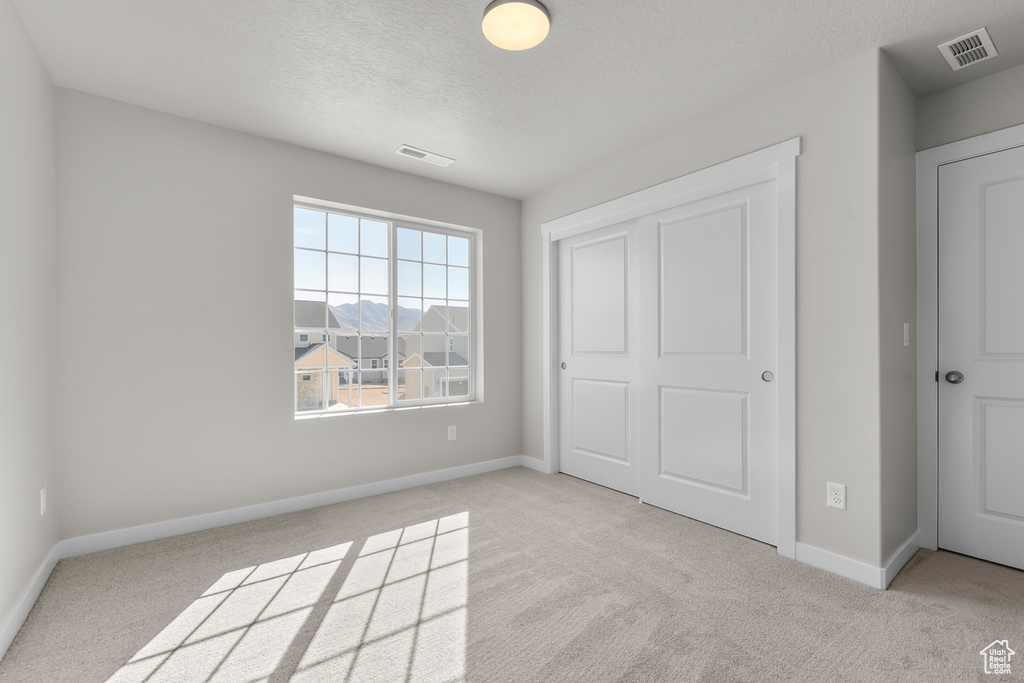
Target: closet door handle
{"points": [[954, 377]]}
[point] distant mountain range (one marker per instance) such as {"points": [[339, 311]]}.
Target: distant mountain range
{"points": [[375, 317]]}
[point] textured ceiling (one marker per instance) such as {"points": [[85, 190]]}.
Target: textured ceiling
{"points": [[360, 78]]}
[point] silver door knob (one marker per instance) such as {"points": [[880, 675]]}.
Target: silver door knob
{"points": [[954, 377], [767, 376], [564, 366]]}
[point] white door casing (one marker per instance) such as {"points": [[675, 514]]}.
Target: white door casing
{"points": [[981, 336], [728, 404]]}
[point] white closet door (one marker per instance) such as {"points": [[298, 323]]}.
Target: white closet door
{"points": [[709, 355], [981, 337], [597, 359]]}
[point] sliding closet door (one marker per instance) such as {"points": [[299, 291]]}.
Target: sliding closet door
{"points": [[708, 445], [597, 356]]}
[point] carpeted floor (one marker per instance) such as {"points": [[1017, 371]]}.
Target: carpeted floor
{"points": [[508, 576]]}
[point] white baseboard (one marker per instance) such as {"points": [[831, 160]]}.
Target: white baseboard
{"points": [[901, 557], [28, 598], [533, 464], [875, 577], [81, 545]]}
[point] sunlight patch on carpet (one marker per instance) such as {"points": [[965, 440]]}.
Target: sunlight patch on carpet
{"points": [[394, 612]]}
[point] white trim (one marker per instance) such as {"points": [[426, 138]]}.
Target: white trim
{"points": [[81, 545], [873, 577], [900, 558], [28, 599], [928, 163], [775, 162], [534, 464]]}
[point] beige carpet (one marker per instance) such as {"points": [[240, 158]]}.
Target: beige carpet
{"points": [[509, 576]]}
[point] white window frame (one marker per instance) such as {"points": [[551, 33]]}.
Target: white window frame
{"points": [[394, 222]]}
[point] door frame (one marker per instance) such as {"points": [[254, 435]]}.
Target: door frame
{"points": [[928, 163], [778, 163]]}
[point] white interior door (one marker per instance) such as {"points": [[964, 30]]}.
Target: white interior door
{"points": [[709, 312], [597, 359], [669, 340], [981, 336]]}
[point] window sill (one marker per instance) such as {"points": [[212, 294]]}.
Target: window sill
{"points": [[317, 415]]}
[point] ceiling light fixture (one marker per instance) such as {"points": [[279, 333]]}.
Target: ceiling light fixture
{"points": [[516, 24]]}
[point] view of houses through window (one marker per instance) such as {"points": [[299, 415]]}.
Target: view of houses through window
{"points": [[369, 290]]}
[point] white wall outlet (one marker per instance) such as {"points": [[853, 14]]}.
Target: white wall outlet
{"points": [[836, 496], [451, 433], [42, 501]]}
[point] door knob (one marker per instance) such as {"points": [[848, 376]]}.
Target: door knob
{"points": [[767, 376], [564, 366], [954, 377]]}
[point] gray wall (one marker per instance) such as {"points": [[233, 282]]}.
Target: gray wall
{"points": [[175, 283], [27, 309], [978, 107], [839, 385], [897, 273]]}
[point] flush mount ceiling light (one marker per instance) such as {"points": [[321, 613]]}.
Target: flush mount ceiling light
{"points": [[516, 24]]}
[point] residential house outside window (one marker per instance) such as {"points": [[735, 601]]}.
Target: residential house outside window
{"points": [[376, 289]]}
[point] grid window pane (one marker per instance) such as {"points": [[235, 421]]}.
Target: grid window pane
{"points": [[409, 275], [373, 315], [435, 248], [343, 312], [309, 391], [342, 273], [458, 382], [458, 317], [458, 251], [343, 233], [458, 350], [409, 314], [410, 350], [310, 316], [310, 269], [348, 388], [434, 281], [458, 283], [374, 238], [434, 316], [434, 383], [373, 275], [310, 228], [409, 244]]}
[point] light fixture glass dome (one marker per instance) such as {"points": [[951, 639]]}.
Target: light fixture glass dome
{"points": [[516, 24]]}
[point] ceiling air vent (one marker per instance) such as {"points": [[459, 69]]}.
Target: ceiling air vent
{"points": [[970, 49], [424, 155]]}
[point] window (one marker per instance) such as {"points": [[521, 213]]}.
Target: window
{"points": [[384, 289], [304, 338]]}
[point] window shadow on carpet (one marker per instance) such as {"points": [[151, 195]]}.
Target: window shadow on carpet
{"points": [[395, 610]]}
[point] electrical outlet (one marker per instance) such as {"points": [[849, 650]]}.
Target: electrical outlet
{"points": [[836, 496], [42, 501], [906, 334], [451, 433]]}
